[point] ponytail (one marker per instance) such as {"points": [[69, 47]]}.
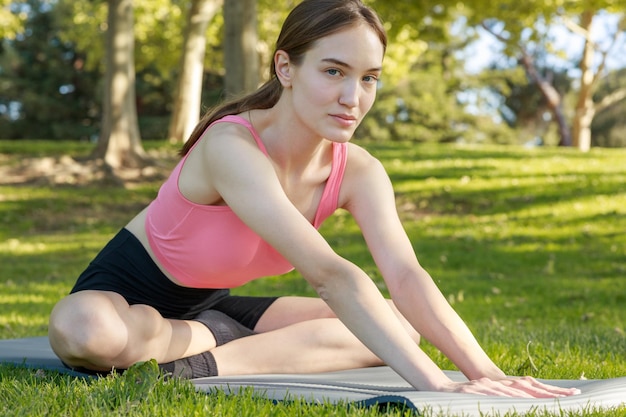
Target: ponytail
{"points": [[309, 21], [263, 98]]}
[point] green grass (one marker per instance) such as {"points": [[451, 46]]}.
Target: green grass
{"points": [[528, 246]]}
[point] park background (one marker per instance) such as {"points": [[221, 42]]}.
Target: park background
{"points": [[501, 125], [477, 71]]}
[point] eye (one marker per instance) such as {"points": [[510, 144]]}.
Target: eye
{"points": [[370, 79], [333, 71]]}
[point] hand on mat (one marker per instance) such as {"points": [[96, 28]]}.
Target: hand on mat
{"points": [[523, 387]]}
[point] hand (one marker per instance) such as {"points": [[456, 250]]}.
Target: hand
{"points": [[523, 387]]}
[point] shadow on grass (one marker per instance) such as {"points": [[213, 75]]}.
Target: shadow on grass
{"points": [[524, 244]]}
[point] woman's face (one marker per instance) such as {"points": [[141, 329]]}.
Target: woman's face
{"points": [[335, 85]]}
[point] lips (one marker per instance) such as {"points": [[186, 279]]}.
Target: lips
{"points": [[344, 119]]}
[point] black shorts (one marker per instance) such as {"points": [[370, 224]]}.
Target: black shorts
{"points": [[125, 267]]}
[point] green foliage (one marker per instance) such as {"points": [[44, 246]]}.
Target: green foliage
{"points": [[420, 108], [423, 72], [527, 25], [84, 24], [10, 22], [422, 104], [47, 76], [609, 127], [417, 91], [158, 26], [521, 105], [54, 69]]}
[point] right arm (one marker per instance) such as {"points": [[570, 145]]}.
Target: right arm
{"points": [[369, 197], [245, 179]]}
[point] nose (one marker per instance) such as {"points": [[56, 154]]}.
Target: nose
{"points": [[350, 94]]}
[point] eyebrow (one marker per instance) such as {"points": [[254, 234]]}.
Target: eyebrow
{"points": [[346, 65]]}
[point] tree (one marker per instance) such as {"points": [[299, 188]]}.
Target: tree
{"points": [[45, 89], [586, 108], [120, 143], [241, 59], [521, 26], [520, 104], [423, 78], [188, 94], [609, 125], [551, 96], [10, 22]]}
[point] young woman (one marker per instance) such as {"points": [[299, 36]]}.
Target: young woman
{"points": [[256, 179]]}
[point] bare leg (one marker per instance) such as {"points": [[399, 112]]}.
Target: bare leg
{"points": [[99, 330], [298, 335], [290, 310], [310, 346]]}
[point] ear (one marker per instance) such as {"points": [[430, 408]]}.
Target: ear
{"points": [[282, 65]]}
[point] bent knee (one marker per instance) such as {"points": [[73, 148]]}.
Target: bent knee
{"points": [[85, 328]]}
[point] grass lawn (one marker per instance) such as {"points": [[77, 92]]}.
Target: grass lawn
{"points": [[527, 244]]}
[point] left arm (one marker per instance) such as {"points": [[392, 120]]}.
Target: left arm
{"points": [[369, 197], [372, 203]]}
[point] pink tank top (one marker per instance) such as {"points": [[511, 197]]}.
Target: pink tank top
{"points": [[206, 246]]}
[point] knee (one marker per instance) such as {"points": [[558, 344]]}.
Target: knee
{"points": [[84, 329]]}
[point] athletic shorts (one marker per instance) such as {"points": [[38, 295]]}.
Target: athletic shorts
{"points": [[125, 267]]}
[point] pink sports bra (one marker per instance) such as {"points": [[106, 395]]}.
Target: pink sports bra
{"points": [[205, 246]]}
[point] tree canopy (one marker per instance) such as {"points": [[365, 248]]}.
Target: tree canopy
{"points": [[52, 69]]}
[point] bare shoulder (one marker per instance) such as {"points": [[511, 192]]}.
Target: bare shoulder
{"points": [[224, 144], [358, 155], [362, 165], [222, 151], [223, 136], [364, 174]]}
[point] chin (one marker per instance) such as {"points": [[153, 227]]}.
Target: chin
{"points": [[339, 138], [339, 134]]}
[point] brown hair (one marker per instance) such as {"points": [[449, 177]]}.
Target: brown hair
{"points": [[307, 22]]}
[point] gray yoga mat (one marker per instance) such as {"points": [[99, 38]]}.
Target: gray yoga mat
{"points": [[367, 387]]}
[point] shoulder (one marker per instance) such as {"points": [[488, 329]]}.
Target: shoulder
{"points": [[364, 175], [361, 164], [225, 139], [233, 131], [225, 155]]}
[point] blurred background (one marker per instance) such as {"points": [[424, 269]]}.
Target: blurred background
{"points": [[533, 73]]}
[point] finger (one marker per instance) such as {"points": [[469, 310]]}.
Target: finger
{"points": [[559, 390], [494, 388], [541, 390], [520, 387], [555, 388]]}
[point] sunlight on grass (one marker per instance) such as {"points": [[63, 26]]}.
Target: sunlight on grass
{"points": [[49, 244], [527, 245], [22, 298], [15, 247]]}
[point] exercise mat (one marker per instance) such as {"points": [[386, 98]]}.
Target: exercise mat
{"points": [[364, 387]]}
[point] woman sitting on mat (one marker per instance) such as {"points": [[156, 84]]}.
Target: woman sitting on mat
{"points": [[257, 178]]}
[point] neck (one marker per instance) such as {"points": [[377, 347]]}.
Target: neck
{"points": [[290, 144]]}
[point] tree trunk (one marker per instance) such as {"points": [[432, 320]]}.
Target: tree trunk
{"points": [[188, 94], [585, 108], [552, 97], [241, 60], [120, 142]]}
